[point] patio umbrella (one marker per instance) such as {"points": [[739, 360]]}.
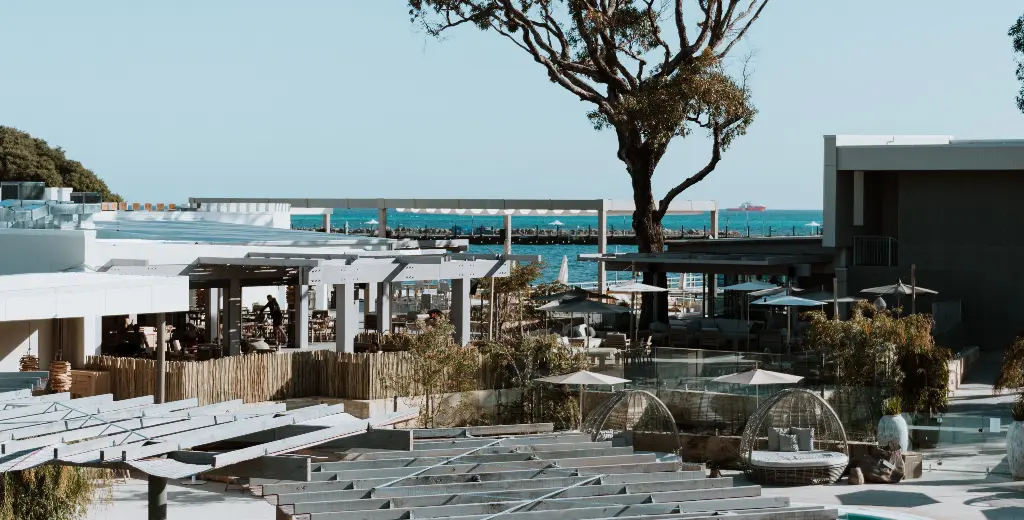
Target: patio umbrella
{"points": [[754, 288], [581, 378], [899, 289], [563, 272], [758, 377], [788, 301], [556, 223], [632, 289], [372, 222], [581, 306]]}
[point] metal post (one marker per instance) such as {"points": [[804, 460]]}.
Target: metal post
{"points": [[508, 234], [161, 354], [157, 498], [460, 310], [602, 245], [300, 330], [345, 318]]}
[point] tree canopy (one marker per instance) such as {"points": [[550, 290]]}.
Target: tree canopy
{"points": [[652, 70], [1016, 34], [27, 158]]}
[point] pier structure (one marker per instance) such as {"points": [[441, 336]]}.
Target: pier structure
{"points": [[602, 208]]}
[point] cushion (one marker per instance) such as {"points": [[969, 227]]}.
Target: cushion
{"points": [[773, 438], [800, 459], [804, 438], [788, 443], [259, 344]]}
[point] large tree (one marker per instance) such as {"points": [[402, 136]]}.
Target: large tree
{"points": [[1016, 34], [27, 158], [652, 70]]}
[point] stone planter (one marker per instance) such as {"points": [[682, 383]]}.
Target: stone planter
{"points": [[1015, 449], [893, 428]]}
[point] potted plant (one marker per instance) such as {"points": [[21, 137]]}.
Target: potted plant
{"points": [[892, 426], [1015, 440], [1011, 377], [715, 468]]}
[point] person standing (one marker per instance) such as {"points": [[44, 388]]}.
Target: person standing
{"points": [[277, 319]]}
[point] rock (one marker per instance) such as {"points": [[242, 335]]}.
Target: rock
{"points": [[856, 476]]}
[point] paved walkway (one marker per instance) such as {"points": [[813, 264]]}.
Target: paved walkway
{"points": [[206, 502]]}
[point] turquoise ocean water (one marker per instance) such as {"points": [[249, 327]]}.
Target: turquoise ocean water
{"points": [[778, 222]]}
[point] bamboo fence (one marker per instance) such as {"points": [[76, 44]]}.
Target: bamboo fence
{"points": [[266, 377]]}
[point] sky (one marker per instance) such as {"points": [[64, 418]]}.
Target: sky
{"points": [[347, 98]]}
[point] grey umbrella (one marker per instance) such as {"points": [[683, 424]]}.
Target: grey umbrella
{"points": [[582, 306], [572, 294]]}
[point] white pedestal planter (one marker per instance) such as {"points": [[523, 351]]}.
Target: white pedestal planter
{"points": [[1015, 449], [893, 428]]}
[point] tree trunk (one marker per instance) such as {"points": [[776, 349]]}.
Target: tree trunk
{"points": [[641, 162]]}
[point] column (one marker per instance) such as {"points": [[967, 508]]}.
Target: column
{"points": [[712, 285], [345, 322], [508, 234], [212, 314], [382, 219], [383, 307], [602, 244], [369, 303], [157, 498], [159, 394], [300, 329], [323, 297], [460, 310], [327, 222], [232, 336], [714, 222]]}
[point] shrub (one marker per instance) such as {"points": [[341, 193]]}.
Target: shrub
{"points": [[50, 492], [892, 406]]}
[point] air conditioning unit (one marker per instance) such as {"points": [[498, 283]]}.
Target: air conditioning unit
{"points": [[86, 197], [22, 190]]}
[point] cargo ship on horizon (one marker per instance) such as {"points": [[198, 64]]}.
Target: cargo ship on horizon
{"points": [[747, 206]]}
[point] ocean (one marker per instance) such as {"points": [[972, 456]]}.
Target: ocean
{"points": [[778, 222]]}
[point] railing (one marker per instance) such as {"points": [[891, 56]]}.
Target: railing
{"points": [[877, 251]]}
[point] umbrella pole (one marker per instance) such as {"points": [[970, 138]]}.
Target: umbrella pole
{"points": [[581, 408]]}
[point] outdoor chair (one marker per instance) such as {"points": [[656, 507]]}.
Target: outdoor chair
{"points": [[616, 341], [709, 339], [678, 337], [821, 455]]}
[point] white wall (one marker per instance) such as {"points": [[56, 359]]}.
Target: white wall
{"points": [[42, 251], [275, 219], [16, 337]]}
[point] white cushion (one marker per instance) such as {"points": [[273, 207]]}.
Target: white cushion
{"points": [[797, 459]]}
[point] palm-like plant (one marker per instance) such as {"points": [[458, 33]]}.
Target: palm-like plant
{"points": [[1011, 375]]}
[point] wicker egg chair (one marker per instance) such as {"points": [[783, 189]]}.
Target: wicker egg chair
{"points": [[632, 411], [795, 408]]}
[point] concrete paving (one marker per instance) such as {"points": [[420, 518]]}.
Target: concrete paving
{"points": [[206, 502]]}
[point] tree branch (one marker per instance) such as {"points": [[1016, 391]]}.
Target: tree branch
{"points": [[716, 156]]}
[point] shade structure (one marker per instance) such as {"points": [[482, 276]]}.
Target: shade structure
{"points": [[758, 377], [572, 294], [563, 272], [788, 301], [899, 289], [581, 378], [636, 288], [582, 306], [750, 286]]}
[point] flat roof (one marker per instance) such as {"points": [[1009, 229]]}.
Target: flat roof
{"points": [[73, 295], [473, 206], [208, 232], [703, 262], [923, 153]]}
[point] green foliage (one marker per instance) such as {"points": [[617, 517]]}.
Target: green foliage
{"points": [[513, 295], [49, 492], [518, 361], [645, 72], [1016, 34], [1011, 372], [879, 354], [26, 158], [891, 406], [437, 366], [1018, 409]]}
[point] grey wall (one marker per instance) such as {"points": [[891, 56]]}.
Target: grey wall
{"points": [[962, 231]]}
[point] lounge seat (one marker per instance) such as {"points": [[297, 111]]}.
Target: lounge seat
{"points": [[798, 459]]}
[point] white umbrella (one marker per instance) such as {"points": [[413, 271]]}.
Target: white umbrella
{"points": [[813, 224], [635, 288], [750, 286], [563, 272], [372, 222], [899, 288], [787, 302], [583, 377], [758, 377], [557, 223]]}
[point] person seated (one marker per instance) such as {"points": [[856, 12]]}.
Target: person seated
{"points": [[136, 344]]}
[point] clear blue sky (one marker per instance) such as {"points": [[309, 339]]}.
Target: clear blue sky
{"points": [[347, 99]]}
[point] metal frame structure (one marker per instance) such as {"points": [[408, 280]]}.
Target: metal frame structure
{"points": [[602, 208], [509, 476]]}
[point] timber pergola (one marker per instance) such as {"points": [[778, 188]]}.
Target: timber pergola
{"points": [[602, 208], [376, 271]]}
